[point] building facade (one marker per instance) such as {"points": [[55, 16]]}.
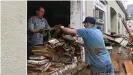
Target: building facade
{"points": [[108, 14], [124, 2]]}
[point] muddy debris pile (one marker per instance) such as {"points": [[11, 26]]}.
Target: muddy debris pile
{"points": [[60, 48]]}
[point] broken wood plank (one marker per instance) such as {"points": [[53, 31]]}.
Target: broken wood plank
{"points": [[129, 67], [108, 37], [38, 48], [115, 62], [40, 69], [37, 57]]}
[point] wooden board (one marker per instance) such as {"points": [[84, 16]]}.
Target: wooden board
{"points": [[115, 62], [40, 69], [38, 48], [129, 67]]}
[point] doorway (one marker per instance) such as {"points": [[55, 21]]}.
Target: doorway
{"points": [[56, 12]]}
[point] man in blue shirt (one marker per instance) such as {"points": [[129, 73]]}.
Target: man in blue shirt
{"points": [[96, 55]]}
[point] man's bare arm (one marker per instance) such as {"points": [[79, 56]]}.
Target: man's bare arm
{"points": [[69, 31]]}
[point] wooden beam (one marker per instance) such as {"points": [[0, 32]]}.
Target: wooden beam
{"points": [[115, 63], [129, 67]]}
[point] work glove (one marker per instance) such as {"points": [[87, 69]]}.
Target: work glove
{"points": [[41, 31], [57, 27]]}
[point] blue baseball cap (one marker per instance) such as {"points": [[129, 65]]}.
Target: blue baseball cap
{"points": [[91, 20]]}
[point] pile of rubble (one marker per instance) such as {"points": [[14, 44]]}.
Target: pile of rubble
{"points": [[58, 51]]}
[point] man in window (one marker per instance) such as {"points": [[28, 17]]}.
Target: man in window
{"points": [[35, 26]]}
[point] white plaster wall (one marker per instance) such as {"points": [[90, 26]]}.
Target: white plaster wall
{"points": [[13, 37], [122, 31], [121, 27], [0, 38], [89, 8], [83, 12], [108, 20], [75, 14], [114, 23]]}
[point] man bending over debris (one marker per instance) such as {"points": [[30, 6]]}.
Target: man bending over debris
{"points": [[96, 55]]}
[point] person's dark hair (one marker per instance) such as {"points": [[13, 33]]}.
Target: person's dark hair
{"points": [[38, 8]]}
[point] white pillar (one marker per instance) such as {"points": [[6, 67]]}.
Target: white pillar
{"points": [[75, 13]]}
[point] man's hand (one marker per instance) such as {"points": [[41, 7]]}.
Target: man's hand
{"points": [[56, 27], [61, 27]]}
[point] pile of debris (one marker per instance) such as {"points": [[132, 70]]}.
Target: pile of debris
{"points": [[59, 50], [120, 50]]}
